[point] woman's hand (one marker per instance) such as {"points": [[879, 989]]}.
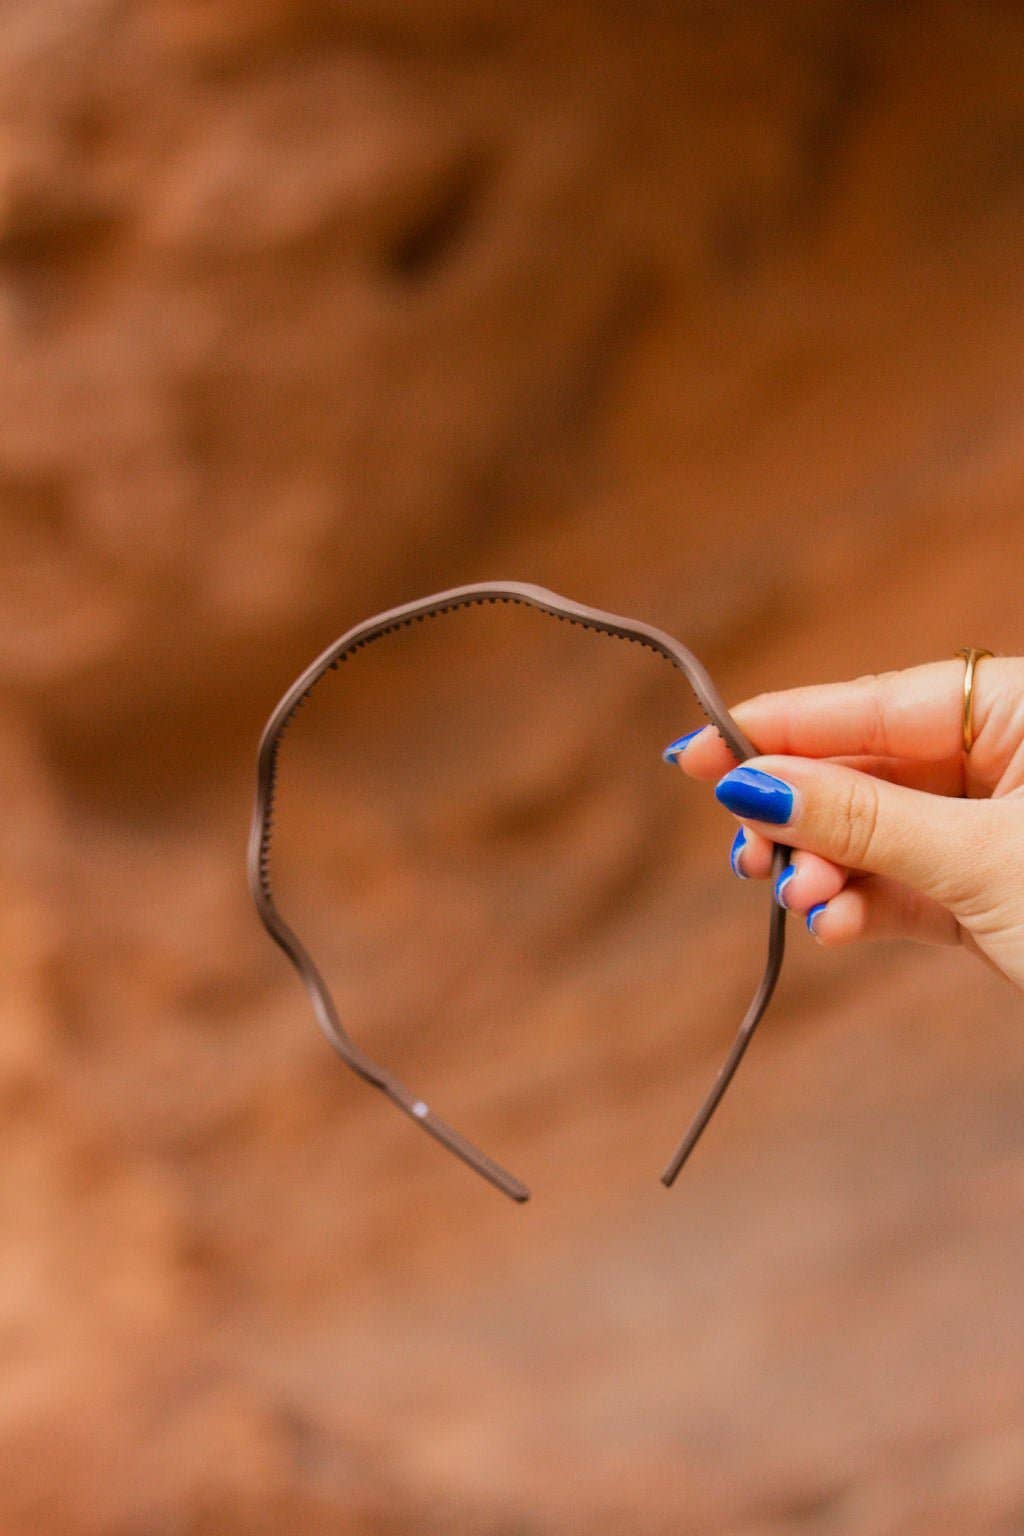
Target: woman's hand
{"points": [[896, 832]]}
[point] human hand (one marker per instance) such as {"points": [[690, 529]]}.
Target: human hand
{"points": [[897, 833]]}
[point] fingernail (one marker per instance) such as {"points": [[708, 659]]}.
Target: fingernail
{"points": [[813, 916], [756, 796], [783, 880], [739, 842], [680, 744]]}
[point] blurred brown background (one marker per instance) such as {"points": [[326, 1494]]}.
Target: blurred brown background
{"points": [[709, 314]]}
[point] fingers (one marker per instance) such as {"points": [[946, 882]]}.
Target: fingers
{"points": [[945, 848], [915, 714], [910, 715], [839, 907], [875, 908], [704, 755], [807, 879]]}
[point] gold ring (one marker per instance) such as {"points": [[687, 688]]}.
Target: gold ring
{"points": [[972, 655]]}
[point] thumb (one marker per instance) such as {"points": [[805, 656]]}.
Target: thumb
{"points": [[940, 846]]}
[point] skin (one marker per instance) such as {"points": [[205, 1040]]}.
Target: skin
{"points": [[894, 827]]}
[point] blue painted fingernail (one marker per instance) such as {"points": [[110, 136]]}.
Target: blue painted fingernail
{"points": [[756, 796], [783, 880], [680, 744], [739, 842], [813, 916]]}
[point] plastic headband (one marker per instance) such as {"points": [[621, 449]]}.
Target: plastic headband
{"points": [[262, 827]]}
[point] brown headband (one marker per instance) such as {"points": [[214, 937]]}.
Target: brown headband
{"points": [[262, 826]]}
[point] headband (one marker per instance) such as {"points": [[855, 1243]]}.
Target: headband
{"points": [[262, 830]]}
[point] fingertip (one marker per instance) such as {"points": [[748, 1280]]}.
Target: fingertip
{"points": [[814, 917], [840, 920], [780, 886], [675, 749], [751, 854], [701, 754]]}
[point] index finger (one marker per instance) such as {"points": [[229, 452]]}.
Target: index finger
{"points": [[914, 714]]}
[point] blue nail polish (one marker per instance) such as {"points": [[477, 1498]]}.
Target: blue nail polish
{"points": [[680, 744], [755, 795], [739, 842], [815, 913], [783, 880]]}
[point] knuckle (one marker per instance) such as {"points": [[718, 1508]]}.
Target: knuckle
{"points": [[858, 823], [878, 687], [874, 680]]}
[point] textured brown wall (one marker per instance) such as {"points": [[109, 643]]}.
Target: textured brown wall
{"points": [[711, 314]]}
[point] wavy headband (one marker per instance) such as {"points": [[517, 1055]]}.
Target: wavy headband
{"points": [[262, 828]]}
